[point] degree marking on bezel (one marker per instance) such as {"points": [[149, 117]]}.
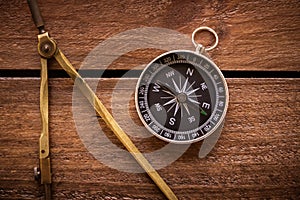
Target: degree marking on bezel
{"points": [[212, 122]]}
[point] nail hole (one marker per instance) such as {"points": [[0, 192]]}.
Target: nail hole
{"points": [[43, 151]]}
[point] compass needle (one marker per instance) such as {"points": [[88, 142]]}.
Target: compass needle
{"points": [[186, 108], [172, 106], [194, 90], [176, 109], [168, 92], [175, 86], [184, 85], [195, 96], [166, 88], [169, 97], [190, 86], [193, 101], [181, 111], [180, 82], [169, 102]]}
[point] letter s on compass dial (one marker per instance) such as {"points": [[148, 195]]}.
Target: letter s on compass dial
{"points": [[181, 97]]}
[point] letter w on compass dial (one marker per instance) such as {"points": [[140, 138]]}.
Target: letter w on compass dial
{"points": [[178, 98]]}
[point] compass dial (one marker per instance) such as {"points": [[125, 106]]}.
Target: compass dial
{"points": [[181, 97]]}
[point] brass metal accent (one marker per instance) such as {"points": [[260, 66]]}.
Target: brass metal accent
{"points": [[54, 51], [47, 49], [44, 170], [113, 125], [46, 46]]}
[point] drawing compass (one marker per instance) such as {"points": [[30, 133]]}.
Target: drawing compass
{"points": [[47, 48]]}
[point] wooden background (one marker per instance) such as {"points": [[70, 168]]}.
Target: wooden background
{"points": [[257, 155]]}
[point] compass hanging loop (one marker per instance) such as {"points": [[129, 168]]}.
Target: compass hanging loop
{"points": [[199, 47]]}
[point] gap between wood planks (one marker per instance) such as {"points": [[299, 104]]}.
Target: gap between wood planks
{"points": [[137, 73]]}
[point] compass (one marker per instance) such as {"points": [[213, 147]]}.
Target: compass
{"points": [[47, 49], [182, 96]]}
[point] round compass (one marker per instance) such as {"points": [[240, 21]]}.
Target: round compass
{"points": [[181, 97]]}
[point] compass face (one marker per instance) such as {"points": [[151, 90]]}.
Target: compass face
{"points": [[181, 97]]}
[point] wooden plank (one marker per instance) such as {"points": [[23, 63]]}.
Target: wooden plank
{"points": [[254, 35], [257, 155]]}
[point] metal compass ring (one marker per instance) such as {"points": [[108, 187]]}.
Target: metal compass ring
{"points": [[205, 28]]}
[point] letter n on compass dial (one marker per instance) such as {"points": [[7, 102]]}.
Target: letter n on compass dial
{"points": [[177, 96]]}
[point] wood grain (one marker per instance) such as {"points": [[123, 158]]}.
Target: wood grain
{"points": [[257, 155], [254, 35]]}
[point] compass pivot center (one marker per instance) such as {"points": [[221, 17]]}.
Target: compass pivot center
{"points": [[181, 97]]}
